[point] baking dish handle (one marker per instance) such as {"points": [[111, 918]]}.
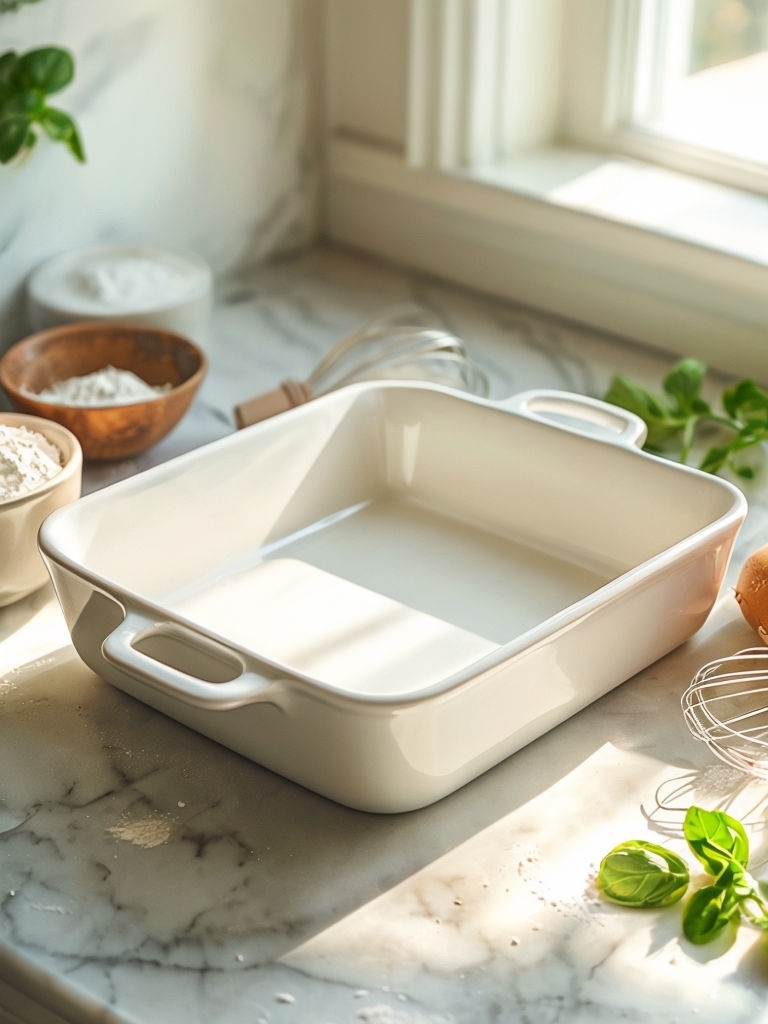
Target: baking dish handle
{"points": [[581, 414], [247, 687]]}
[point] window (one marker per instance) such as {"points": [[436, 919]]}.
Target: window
{"points": [[690, 85], [563, 153]]}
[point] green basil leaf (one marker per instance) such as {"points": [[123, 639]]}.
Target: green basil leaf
{"points": [[700, 407], [684, 381], [49, 68], [25, 81], [716, 839], [715, 458], [642, 874], [60, 127], [13, 137], [745, 438], [749, 894], [673, 421], [24, 102], [662, 425], [9, 60], [747, 402], [635, 398], [13, 5], [708, 913]]}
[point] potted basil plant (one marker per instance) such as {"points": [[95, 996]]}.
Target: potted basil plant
{"points": [[26, 82]]}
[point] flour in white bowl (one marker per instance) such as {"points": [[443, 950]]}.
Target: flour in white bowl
{"points": [[109, 386], [27, 459], [140, 282]]}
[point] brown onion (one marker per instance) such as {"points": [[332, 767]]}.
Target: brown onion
{"points": [[752, 591]]}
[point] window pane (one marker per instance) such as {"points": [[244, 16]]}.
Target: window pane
{"points": [[709, 66], [726, 30]]}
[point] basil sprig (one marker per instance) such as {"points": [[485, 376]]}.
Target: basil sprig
{"points": [[675, 417], [721, 845], [641, 874], [26, 81]]}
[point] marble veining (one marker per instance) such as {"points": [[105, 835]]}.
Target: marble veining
{"points": [[197, 131], [148, 875]]}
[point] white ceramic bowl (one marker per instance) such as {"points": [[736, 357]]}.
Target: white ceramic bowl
{"points": [[23, 569], [137, 284]]}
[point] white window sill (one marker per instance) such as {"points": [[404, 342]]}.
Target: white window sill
{"points": [[629, 192], [654, 255]]}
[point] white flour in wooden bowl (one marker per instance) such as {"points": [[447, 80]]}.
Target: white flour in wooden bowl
{"points": [[27, 459], [109, 386]]}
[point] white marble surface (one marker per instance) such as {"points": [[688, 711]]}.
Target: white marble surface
{"points": [[149, 875], [196, 121]]}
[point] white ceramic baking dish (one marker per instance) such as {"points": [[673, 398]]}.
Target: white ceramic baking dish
{"points": [[386, 591]]}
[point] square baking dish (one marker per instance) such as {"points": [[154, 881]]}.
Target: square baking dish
{"points": [[386, 591]]}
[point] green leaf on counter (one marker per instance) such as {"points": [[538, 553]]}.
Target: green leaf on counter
{"points": [[747, 402], [642, 874], [662, 425], [708, 912], [683, 383], [716, 839], [645, 875], [676, 417]]}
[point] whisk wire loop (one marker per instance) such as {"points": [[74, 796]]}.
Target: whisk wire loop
{"points": [[726, 706]]}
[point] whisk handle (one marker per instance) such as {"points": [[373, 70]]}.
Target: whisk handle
{"points": [[289, 394]]}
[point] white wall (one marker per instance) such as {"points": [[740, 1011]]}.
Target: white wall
{"points": [[196, 118]]}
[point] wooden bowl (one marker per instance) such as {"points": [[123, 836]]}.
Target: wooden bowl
{"points": [[106, 432]]}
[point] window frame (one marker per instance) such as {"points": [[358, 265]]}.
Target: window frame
{"points": [[618, 32], [457, 198]]}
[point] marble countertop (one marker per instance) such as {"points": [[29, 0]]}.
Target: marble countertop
{"points": [[149, 875]]}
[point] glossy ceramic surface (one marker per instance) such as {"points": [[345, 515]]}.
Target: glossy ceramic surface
{"points": [[387, 591]]}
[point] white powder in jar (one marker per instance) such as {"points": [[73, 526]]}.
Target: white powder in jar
{"points": [[108, 386], [144, 284], [133, 281], [27, 459]]}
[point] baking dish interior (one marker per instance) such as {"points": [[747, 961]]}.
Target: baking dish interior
{"points": [[412, 529]]}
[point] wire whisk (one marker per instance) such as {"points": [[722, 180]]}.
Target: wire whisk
{"points": [[726, 706], [402, 344]]}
